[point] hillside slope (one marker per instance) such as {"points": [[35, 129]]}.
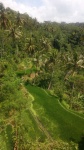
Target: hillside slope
{"points": [[59, 122]]}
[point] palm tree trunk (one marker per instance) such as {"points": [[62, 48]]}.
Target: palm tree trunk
{"points": [[50, 83]]}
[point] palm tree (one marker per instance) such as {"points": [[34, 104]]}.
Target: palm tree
{"points": [[4, 20], [15, 35], [1, 7], [45, 44], [18, 20], [30, 46]]}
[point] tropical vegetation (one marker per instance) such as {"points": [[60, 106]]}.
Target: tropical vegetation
{"points": [[41, 83]]}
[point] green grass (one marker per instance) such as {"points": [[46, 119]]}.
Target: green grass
{"points": [[23, 72], [60, 122], [29, 127], [20, 73]]}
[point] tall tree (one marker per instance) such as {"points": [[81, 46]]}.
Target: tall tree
{"points": [[4, 20]]}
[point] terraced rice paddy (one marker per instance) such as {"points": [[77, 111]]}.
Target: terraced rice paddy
{"points": [[55, 119]]}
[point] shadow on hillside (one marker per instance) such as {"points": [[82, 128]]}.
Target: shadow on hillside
{"points": [[81, 143]]}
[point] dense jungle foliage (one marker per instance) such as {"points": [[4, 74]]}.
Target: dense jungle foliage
{"points": [[49, 56]]}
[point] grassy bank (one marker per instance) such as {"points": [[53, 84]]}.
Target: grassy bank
{"points": [[59, 122]]}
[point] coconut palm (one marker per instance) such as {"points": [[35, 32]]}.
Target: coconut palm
{"points": [[45, 44], [4, 20], [1, 7], [15, 35], [30, 46], [19, 21]]}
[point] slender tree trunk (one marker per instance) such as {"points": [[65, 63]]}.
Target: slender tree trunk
{"points": [[49, 86], [50, 83]]}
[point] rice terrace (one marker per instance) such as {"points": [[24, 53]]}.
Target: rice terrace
{"points": [[41, 75]]}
